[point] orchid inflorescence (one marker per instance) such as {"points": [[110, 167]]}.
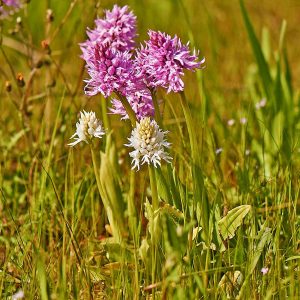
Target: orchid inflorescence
{"points": [[149, 142], [116, 67], [87, 128]]}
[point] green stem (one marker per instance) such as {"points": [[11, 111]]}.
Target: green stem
{"points": [[155, 206], [96, 171], [157, 114], [155, 201], [131, 203], [104, 114], [133, 225], [128, 108]]}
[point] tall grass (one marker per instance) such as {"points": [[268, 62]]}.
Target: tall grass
{"points": [[79, 224]]}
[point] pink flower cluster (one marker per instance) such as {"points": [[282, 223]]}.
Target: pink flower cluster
{"points": [[117, 29], [110, 70], [114, 67], [162, 61]]}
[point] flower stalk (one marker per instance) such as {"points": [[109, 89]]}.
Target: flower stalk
{"points": [[157, 114], [153, 186], [131, 203], [155, 220], [128, 108], [105, 118]]}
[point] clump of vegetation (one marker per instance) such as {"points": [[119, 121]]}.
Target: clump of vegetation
{"points": [[170, 194]]}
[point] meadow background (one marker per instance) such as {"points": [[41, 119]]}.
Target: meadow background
{"points": [[53, 240]]}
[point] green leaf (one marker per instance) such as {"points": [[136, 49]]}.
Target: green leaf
{"points": [[293, 258], [42, 276], [259, 56], [111, 195], [229, 224], [153, 217], [115, 252], [278, 126], [143, 250], [162, 186], [172, 211]]}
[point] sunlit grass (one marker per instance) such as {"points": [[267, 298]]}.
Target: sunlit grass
{"points": [[228, 203]]}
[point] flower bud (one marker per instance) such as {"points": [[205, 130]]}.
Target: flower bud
{"points": [[20, 80], [8, 86], [49, 15], [45, 45]]}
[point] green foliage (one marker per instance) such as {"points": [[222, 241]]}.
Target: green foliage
{"points": [[230, 223], [80, 224]]}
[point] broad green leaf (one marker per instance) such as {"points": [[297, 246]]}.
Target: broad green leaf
{"points": [[153, 217], [230, 283], [143, 250], [112, 196], [42, 277], [96, 275], [265, 235], [229, 224], [172, 211], [278, 126]]}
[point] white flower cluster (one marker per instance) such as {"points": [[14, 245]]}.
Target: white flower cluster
{"points": [[149, 142], [87, 128]]}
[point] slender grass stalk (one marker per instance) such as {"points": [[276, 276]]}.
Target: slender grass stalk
{"points": [[96, 171], [14, 75], [41, 197], [131, 203], [133, 225], [63, 21], [198, 181]]}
